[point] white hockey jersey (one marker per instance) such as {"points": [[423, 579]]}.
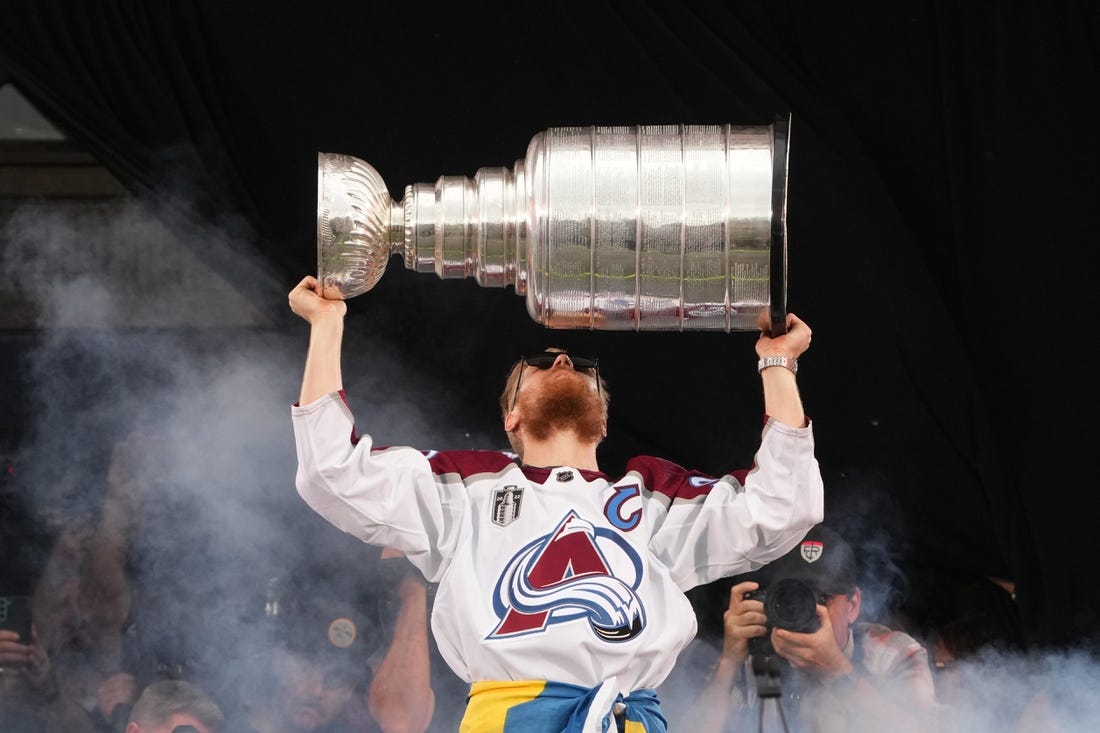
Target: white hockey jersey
{"points": [[558, 573]]}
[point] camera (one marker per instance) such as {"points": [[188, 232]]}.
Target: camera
{"points": [[789, 604]]}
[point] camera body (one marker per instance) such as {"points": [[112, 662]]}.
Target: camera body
{"points": [[789, 604]]}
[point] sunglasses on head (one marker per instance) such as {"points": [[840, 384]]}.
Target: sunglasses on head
{"points": [[546, 359]]}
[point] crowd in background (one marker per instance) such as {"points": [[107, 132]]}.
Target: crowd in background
{"points": [[321, 645], [278, 647]]}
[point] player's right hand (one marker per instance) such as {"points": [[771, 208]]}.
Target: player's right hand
{"points": [[306, 300]]}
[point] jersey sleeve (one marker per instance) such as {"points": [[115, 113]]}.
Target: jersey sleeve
{"points": [[383, 496], [713, 528]]}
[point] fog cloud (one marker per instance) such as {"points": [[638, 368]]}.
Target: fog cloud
{"points": [[135, 336]]}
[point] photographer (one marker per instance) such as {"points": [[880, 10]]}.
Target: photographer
{"points": [[832, 673]]}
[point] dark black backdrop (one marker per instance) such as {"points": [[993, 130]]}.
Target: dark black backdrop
{"points": [[942, 186]]}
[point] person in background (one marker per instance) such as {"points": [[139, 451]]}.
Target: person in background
{"points": [[793, 648], [30, 698], [561, 590], [87, 598], [308, 668], [323, 666], [985, 679], [175, 706], [134, 579], [401, 698], [78, 634], [983, 620]]}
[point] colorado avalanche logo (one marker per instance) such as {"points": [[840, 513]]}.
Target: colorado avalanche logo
{"points": [[575, 572]]}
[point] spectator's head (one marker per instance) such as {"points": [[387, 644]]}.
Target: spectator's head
{"points": [[985, 625], [168, 705], [319, 661], [826, 563]]}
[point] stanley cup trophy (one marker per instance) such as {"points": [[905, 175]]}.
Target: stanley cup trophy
{"points": [[644, 228]]}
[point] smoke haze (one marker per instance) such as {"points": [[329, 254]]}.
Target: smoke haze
{"points": [[135, 340]]}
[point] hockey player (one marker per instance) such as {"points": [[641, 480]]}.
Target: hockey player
{"points": [[561, 589]]}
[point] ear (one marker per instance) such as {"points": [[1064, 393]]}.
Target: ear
{"points": [[132, 728], [511, 421], [855, 603], [603, 428]]}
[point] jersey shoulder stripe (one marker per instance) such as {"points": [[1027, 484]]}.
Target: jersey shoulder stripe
{"points": [[466, 463], [673, 481]]}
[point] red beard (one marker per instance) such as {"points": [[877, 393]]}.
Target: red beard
{"points": [[563, 404]]}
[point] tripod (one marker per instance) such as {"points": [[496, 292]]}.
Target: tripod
{"points": [[767, 667]]}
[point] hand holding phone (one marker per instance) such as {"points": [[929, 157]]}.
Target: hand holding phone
{"points": [[15, 633], [20, 652], [15, 615]]}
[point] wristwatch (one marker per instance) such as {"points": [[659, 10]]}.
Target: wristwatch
{"points": [[782, 361]]}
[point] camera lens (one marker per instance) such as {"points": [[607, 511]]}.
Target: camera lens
{"points": [[792, 605]]}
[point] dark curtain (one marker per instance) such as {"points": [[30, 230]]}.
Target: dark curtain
{"points": [[943, 160]]}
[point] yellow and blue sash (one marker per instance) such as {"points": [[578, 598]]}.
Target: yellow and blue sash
{"points": [[539, 706]]}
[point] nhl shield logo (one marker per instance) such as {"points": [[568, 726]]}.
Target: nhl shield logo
{"points": [[506, 505], [811, 550]]}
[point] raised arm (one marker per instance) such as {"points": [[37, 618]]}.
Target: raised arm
{"points": [[401, 696], [781, 398], [326, 318]]}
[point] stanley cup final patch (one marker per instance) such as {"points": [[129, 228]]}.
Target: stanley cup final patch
{"points": [[811, 550], [506, 505]]}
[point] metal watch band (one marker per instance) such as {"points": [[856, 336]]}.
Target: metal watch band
{"points": [[782, 361]]}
